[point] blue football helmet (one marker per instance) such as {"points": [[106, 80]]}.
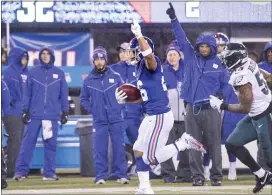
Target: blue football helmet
{"points": [[135, 48], [221, 39]]}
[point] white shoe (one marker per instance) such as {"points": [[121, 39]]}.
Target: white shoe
{"points": [[101, 181], [144, 191], [156, 169], [207, 173], [232, 175], [123, 181], [53, 178], [188, 142]]}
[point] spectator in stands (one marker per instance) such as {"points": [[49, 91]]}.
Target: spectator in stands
{"points": [[3, 57], [98, 98], [173, 74], [46, 96], [123, 51], [204, 75], [133, 113], [15, 77], [5, 106]]}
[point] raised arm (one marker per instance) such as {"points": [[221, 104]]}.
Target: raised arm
{"points": [[184, 44], [146, 51]]}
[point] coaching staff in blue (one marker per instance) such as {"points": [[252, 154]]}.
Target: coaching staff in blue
{"points": [[133, 114], [14, 77], [45, 98], [204, 74], [98, 98]]}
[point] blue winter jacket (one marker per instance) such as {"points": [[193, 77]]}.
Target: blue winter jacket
{"points": [[98, 96], [128, 74], [13, 78], [171, 76], [46, 94], [265, 64], [202, 76], [5, 97]]}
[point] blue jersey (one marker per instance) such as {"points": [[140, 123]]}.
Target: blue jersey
{"points": [[153, 88]]}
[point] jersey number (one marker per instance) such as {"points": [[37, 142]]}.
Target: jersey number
{"points": [[143, 91], [261, 83]]}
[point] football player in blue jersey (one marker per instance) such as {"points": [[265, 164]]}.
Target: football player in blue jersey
{"points": [[150, 147]]}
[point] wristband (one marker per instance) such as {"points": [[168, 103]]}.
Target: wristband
{"points": [[147, 52], [139, 36], [224, 106]]}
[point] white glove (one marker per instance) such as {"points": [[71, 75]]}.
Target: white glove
{"points": [[120, 96], [215, 102], [136, 29]]}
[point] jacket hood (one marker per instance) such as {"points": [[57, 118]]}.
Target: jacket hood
{"points": [[52, 58], [15, 56], [206, 38], [268, 46]]}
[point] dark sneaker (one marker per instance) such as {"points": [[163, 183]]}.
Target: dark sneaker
{"points": [[216, 183], [18, 177], [198, 182], [261, 182], [53, 178], [4, 184], [169, 179]]}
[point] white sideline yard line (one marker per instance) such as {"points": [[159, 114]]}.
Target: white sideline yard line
{"points": [[128, 189]]}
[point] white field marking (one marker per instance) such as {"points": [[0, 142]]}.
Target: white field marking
{"points": [[130, 189]]}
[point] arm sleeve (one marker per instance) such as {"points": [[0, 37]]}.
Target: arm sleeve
{"points": [[184, 44], [27, 93], [5, 101], [120, 80], [13, 88], [85, 98], [64, 95]]}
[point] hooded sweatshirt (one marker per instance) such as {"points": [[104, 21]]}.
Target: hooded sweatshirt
{"points": [[203, 76], [265, 64], [13, 78], [46, 93]]}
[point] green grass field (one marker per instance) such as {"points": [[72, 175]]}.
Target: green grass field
{"points": [[74, 182]]}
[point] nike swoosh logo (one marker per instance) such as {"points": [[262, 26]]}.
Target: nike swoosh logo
{"points": [[264, 179], [260, 125]]}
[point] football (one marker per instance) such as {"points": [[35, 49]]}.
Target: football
{"points": [[132, 92]]}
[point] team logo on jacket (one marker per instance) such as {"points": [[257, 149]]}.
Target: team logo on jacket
{"points": [[215, 66], [24, 77], [55, 76], [111, 80]]}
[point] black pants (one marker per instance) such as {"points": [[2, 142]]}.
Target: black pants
{"points": [[15, 129], [167, 167]]}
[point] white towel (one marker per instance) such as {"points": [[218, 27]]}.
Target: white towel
{"points": [[47, 129]]}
